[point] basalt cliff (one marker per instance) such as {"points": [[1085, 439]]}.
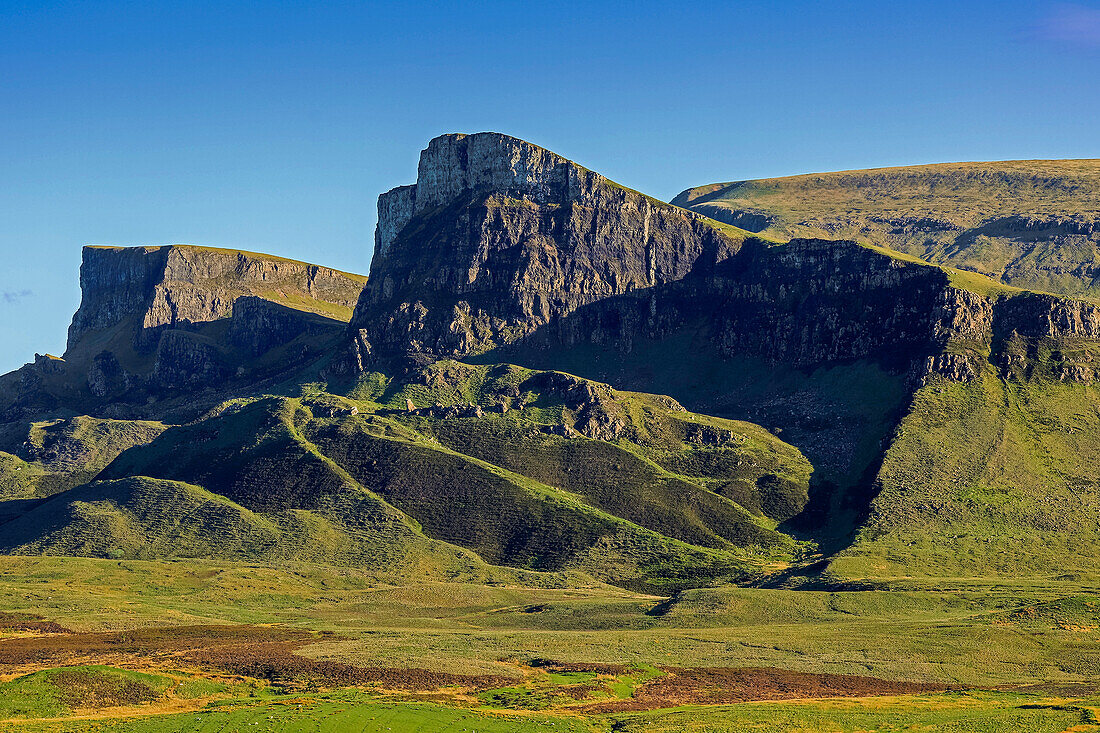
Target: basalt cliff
{"points": [[501, 244], [550, 374], [156, 323]]}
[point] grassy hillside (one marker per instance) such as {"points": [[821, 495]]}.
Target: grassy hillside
{"points": [[667, 499], [55, 455], [1030, 224], [987, 478]]}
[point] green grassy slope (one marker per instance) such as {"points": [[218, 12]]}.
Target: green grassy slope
{"points": [[1031, 224], [58, 692], [140, 517], [987, 478], [55, 455], [676, 500]]}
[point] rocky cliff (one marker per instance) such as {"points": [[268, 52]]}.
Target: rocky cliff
{"points": [[182, 285], [161, 321], [499, 237], [501, 243]]}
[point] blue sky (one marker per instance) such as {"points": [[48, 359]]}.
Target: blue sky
{"points": [[272, 126]]}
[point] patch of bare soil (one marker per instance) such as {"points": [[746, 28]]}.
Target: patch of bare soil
{"points": [[726, 685]]}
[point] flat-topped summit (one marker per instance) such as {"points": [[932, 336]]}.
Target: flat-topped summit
{"points": [[1031, 223], [174, 320], [452, 164], [177, 284], [457, 164]]}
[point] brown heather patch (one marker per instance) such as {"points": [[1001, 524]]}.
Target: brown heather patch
{"points": [[277, 661], [65, 648], [725, 685], [262, 652], [85, 688], [30, 622]]}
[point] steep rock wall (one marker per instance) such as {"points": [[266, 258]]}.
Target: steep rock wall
{"points": [[500, 242], [178, 285], [164, 322], [499, 237]]}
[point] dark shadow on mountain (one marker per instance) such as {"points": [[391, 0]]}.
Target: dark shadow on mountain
{"points": [[717, 354]]}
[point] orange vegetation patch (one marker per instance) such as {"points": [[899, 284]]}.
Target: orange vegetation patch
{"points": [[725, 685]]}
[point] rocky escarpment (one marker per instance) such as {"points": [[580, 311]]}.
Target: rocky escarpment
{"points": [[823, 341], [156, 322], [181, 285], [500, 237], [502, 243]]}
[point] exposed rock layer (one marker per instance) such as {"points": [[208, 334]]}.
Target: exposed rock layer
{"points": [[180, 285], [500, 242], [156, 322]]}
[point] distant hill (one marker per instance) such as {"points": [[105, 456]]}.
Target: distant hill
{"points": [[1032, 224]]}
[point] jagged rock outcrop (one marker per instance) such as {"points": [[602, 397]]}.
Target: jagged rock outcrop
{"points": [[499, 237]]}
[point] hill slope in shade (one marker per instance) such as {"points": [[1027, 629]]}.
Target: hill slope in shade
{"points": [[1032, 224]]}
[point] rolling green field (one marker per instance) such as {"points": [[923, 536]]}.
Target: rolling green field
{"points": [[336, 712]]}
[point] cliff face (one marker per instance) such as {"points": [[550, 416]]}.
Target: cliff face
{"points": [[116, 283], [155, 322], [499, 237], [180, 285], [501, 243]]}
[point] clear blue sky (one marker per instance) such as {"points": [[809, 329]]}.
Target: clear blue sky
{"points": [[272, 126]]}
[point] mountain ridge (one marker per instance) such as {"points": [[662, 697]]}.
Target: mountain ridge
{"points": [[512, 383]]}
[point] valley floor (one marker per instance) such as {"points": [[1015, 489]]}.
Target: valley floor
{"points": [[128, 645]]}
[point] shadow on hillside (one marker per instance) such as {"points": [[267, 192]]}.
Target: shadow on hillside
{"points": [[662, 340]]}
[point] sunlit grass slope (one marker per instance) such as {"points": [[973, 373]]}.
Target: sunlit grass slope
{"points": [[1030, 223]]}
